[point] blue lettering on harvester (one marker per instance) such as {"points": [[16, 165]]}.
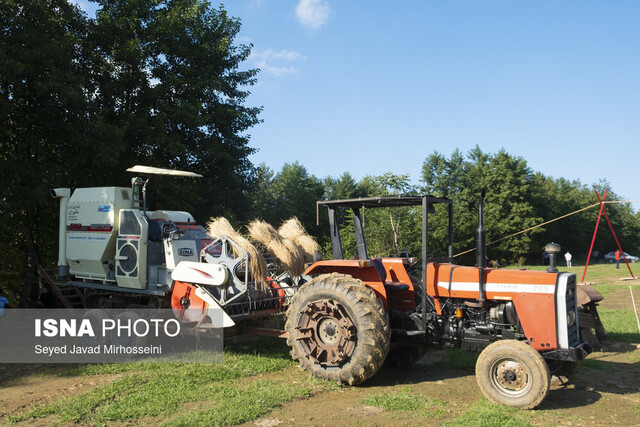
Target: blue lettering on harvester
{"points": [[104, 208]]}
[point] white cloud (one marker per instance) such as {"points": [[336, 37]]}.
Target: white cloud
{"points": [[276, 63], [313, 13], [282, 55]]}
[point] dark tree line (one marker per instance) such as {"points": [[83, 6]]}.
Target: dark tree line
{"points": [[161, 83], [517, 198]]}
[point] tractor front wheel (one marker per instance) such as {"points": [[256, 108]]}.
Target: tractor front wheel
{"points": [[338, 330], [512, 373]]}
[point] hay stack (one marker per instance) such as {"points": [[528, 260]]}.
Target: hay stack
{"points": [[257, 265], [291, 257], [293, 230]]}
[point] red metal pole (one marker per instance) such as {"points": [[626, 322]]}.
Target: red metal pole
{"points": [[604, 196], [617, 242]]}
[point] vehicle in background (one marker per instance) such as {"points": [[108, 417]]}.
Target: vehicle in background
{"points": [[611, 257]]}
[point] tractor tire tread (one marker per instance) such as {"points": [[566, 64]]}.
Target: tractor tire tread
{"points": [[372, 327], [538, 383]]}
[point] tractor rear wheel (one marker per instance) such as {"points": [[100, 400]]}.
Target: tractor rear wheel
{"points": [[512, 373], [338, 330]]}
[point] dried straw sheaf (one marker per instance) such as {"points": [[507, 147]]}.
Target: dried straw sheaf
{"points": [[290, 255], [221, 227], [293, 230]]}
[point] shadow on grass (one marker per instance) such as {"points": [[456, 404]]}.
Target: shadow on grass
{"points": [[596, 377], [436, 365], [14, 373]]}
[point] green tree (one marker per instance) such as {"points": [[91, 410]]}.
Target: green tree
{"points": [[291, 192], [153, 82], [509, 209], [263, 200], [344, 187], [175, 95], [42, 105]]}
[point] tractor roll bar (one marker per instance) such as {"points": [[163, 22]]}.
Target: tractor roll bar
{"points": [[360, 204]]}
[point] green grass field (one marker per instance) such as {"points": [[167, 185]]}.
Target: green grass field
{"points": [[230, 392]]}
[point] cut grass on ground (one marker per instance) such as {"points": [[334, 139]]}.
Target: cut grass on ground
{"points": [[403, 401], [221, 392]]}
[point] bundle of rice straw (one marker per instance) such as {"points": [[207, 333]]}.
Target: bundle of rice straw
{"points": [[257, 265], [291, 257], [293, 230]]}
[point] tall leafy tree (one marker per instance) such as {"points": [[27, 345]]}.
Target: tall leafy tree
{"points": [[155, 82], [42, 116], [292, 192], [509, 206], [175, 97], [296, 192]]}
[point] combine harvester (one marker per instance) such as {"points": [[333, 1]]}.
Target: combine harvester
{"points": [[344, 318]]}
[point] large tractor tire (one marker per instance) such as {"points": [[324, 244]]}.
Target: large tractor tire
{"points": [[338, 329], [511, 373]]}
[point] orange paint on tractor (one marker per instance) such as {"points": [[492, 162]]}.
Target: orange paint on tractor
{"points": [[363, 270], [532, 293]]}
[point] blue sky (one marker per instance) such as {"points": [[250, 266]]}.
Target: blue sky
{"points": [[370, 86]]}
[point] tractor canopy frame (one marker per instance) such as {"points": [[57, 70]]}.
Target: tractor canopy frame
{"points": [[358, 206]]}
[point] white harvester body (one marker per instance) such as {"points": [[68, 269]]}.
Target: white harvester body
{"points": [[106, 238]]}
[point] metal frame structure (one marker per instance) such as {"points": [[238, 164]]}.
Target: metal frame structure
{"points": [[358, 206]]}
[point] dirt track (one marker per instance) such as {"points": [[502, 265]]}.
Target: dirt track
{"points": [[606, 392]]}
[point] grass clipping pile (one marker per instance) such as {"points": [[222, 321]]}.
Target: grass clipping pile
{"points": [[290, 255], [220, 226], [290, 244]]}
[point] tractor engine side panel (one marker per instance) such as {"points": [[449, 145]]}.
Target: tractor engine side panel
{"points": [[539, 298]]}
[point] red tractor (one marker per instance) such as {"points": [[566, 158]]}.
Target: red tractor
{"points": [[354, 314]]}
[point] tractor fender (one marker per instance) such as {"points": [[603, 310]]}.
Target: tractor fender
{"points": [[371, 272]]}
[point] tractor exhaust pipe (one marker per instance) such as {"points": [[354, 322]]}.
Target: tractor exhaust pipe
{"points": [[63, 194], [481, 249]]}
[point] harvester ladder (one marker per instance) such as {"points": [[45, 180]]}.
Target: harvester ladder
{"points": [[69, 295]]}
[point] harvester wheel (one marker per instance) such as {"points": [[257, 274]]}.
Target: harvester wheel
{"points": [[338, 330], [512, 373], [562, 371]]}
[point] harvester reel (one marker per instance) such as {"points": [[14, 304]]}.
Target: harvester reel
{"points": [[233, 258]]}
